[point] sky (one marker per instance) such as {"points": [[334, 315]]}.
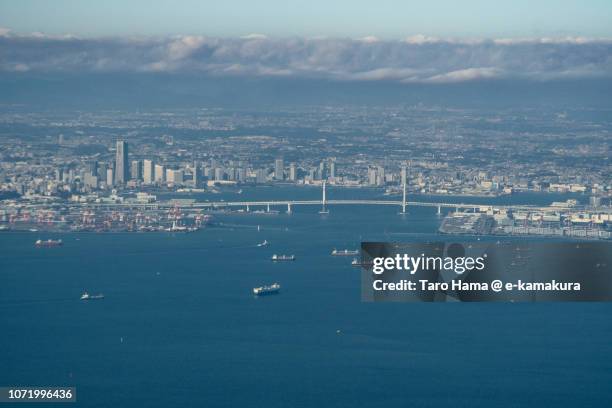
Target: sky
{"points": [[378, 45], [386, 19]]}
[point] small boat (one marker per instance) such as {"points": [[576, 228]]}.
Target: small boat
{"points": [[263, 244], [48, 243], [283, 258], [344, 252], [87, 296], [267, 290]]}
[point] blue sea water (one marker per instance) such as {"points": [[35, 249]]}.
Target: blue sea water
{"points": [[180, 327]]}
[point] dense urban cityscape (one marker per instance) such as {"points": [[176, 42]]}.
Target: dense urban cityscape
{"points": [[60, 169], [307, 204]]}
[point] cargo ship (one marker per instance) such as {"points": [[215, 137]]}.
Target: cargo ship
{"points": [[48, 243], [283, 258], [87, 296], [344, 252], [267, 290]]}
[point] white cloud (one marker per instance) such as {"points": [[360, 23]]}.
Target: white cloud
{"points": [[420, 39], [370, 39], [469, 74], [415, 59], [254, 36]]}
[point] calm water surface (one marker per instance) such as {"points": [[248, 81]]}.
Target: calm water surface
{"points": [[179, 326]]}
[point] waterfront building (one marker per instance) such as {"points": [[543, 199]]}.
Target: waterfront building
{"points": [[121, 162], [148, 172]]}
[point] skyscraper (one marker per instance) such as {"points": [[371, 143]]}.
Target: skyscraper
{"points": [[160, 173], [196, 179], [109, 177], [292, 172], [279, 169], [148, 172], [93, 168], [261, 176], [380, 176], [372, 176], [121, 170], [219, 173], [136, 170], [332, 168]]}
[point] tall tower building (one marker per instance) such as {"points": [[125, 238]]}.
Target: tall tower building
{"points": [[121, 170], [292, 172], [136, 170], [261, 176], [93, 168], [148, 172], [196, 178], [332, 168], [219, 173], [160, 173], [322, 170], [380, 176], [109, 177], [279, 169], [372, 176]]}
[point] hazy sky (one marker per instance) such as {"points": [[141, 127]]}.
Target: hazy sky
{"points": [[387, 19]]}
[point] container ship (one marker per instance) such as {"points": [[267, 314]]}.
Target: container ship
{"points": [[283, 258], [87, 296], [344, 252], [48, 243], [267, 290]]}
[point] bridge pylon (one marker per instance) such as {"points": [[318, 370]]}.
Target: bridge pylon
{"points": [[324, 202], [404, 204]]}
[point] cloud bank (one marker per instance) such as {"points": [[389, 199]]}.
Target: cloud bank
{"points": [[417, 59]]}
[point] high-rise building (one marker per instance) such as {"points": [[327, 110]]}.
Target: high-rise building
{"points": [[136, 170], [196, 177], [279, 169], [93, 167], [332, 168], [148, 172], [90, 180], [219, 173], [160, 173], [231, 174], [261, 176], [380, 176], [292, 172], [372, 176], [110, 179], [241, 174], [121, 163], [174, 176]]}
